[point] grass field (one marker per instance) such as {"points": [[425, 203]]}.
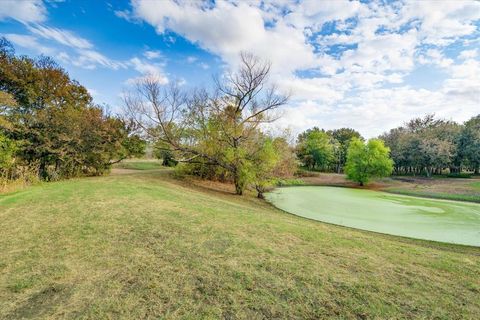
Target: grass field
{"points": [[139, 164], [476, 185], [437, 188], [143, 245]]}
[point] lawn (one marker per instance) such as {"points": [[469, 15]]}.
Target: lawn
{"points": [[143, 245], [440, 187], [139, 165], [476, 185]]}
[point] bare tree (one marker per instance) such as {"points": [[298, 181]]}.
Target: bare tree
{"points": [[202, 127]]}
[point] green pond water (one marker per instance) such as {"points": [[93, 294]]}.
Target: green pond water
{"points": [[429, 219]]}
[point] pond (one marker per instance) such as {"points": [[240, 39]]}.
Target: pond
{"points": [[420, 218]]}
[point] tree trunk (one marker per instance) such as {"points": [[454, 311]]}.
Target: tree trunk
{"points": [[42, 170], [238, 189], [361, 183], [429, 174], [238, 185]]}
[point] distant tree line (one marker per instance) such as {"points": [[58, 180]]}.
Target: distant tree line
{"points": [[433, 146], [217, 134], [322, 150], [422, 146], [50, 126]]}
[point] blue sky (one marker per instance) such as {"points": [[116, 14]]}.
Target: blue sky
{"points": [[367, 65]]}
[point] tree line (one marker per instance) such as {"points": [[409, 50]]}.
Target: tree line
{"points": [[434, 146], [50, 126], [423, 146]]}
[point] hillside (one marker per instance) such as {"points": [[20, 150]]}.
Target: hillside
{"points": [[143, 245]]}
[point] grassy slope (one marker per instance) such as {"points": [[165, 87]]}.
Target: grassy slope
{"points": [[142, 245]]}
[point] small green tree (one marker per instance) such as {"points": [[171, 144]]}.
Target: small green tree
{"points": [[275, 160], [162, 152], [366, 161]]}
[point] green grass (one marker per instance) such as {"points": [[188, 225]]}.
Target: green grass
{"points": [[139, 165], [143, 245], [476, 185], [436, 194]]}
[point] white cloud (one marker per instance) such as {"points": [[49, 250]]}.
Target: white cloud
{"points": [[152, 54], [61, 36], [124, 14], [66, 46], [191, 59], [468, 54], [246, 31], [147, 69], [203, 65], [90, 59], [28, 41], [79, 57], [23, 11], [436, 57], [442, 22]]}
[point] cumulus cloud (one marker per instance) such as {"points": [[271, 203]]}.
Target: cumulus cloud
{"points": [[207, 26]]}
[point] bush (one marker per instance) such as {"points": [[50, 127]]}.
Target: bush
{"points": [[289, 182]]}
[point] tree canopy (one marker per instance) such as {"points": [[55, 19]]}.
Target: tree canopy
{"points": [[216, 134], [322, 150], [367, 161], [428, 145], [53, 122]]}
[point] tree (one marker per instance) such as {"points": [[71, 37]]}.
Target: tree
{"points": [[275, 160], [216, 130], [53, 120], [366, 161], [426, 145], [342, 138], [8, 148], [469, 144], [161, 151], [6, 101], [315, 149]]}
